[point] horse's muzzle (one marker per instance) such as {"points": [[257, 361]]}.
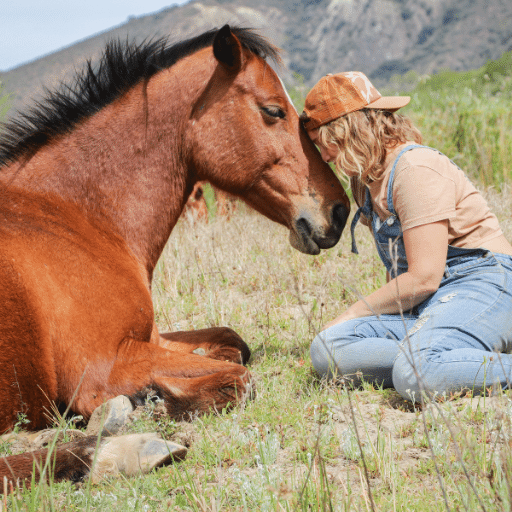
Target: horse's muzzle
{"points": [[310, 239]]}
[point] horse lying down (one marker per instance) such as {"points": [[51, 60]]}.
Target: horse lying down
{"points": [[93, 180]]}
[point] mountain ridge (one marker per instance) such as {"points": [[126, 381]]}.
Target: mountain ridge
{"points": [[380, 37]]}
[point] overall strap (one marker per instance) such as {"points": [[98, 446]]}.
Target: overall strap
{"points": [[391, 208], [366, 210]]}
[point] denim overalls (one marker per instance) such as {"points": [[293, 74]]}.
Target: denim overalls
{"points": [[388, 233], [458, 338]]}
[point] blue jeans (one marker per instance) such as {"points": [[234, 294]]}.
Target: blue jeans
{"points": [[459, 338]]}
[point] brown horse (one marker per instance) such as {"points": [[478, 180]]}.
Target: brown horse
{"points": [[92, 182], [197, 208]]}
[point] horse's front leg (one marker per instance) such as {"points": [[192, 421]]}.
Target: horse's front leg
{"points": [[188, 383], [221, 343]]}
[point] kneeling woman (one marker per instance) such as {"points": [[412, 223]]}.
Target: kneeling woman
{"points": [[443, 321]]}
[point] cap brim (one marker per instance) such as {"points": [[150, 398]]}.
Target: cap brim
{"points": [[389, 102]]}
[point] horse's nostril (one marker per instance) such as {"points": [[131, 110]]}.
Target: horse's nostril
{"points": [[303, 228], [340, 215]]}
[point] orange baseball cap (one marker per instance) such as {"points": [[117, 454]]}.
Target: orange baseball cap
{"points": [[336, 95]]}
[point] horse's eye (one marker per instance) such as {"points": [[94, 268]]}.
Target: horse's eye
{"points": [[274, 111]]}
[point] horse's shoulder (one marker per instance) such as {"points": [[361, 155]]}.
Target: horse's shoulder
{"points": [[29, 215]]}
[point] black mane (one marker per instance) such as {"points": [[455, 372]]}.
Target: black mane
{"points": [[121, 66]]}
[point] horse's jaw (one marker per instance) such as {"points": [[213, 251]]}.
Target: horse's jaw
{"points": [[310, 240], [303, 243]]}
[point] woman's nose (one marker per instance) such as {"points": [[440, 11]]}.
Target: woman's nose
{"points": [[325, 155]]}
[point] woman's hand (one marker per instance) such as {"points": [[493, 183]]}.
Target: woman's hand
{"points": [[426, 248], [347, 315]]}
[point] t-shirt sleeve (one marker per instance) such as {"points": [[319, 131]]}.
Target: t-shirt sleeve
{"points": [[422, 195]]}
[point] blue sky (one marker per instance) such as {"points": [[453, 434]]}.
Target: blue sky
{"points": [[32, 28]]}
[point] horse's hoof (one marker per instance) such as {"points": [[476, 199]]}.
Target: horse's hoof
{"points": [[108, 418], [133, 454]]}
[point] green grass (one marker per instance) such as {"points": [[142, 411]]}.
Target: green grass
{"points": [[301, 443], [468, 117]]}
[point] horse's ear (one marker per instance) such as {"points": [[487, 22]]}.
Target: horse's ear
{"points": [[227, 49]]}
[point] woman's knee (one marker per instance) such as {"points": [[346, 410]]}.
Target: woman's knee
{"points": [[329, 351], [415, 375], [322, 356], [406, 378]]}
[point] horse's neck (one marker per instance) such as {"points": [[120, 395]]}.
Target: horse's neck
{"points": [[122, 165]]}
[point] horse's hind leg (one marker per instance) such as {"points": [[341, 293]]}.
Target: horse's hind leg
{"points": [[74, 461], [220, 343], [71, 461]]}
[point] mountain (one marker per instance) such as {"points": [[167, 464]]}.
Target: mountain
{"points": [[380, 37]]}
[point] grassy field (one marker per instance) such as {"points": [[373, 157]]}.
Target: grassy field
{"points": [[302, 443]]}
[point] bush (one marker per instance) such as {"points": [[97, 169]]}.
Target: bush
{"points": [[4, 103]]}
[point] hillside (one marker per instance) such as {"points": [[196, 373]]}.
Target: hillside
{"points": [[379, 37]]}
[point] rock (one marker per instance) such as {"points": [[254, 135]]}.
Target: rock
{"points": [[46, 437], [23, 441], [109, 417]]}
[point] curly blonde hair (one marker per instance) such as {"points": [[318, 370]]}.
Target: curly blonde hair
{"points": [[363, 139]]}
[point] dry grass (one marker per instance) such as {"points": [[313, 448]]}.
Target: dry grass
{"points": [[301, 444]]}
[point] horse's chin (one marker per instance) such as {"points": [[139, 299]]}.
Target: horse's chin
{"points": [[303, 243]]}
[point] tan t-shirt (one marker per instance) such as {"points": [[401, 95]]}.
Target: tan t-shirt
{"points": [[428, 188]]}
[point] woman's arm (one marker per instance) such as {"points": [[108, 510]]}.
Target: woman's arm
{"points": [[426, 248]]}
